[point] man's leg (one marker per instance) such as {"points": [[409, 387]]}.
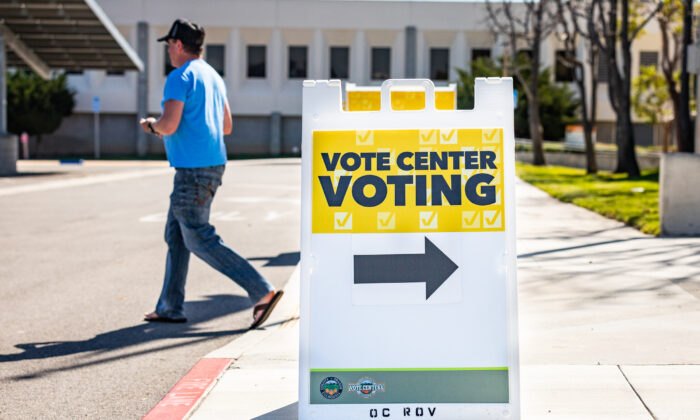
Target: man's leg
{"points": [[172, 297], [200, 236]]}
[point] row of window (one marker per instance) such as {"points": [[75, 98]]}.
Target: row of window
{"points": [[297, 62], [380, 62]]}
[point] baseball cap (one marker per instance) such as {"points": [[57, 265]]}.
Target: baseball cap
{"points": [[185, 31]]}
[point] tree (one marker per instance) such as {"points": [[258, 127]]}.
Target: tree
{"points": [[670, 21], [527, 29], [571, 16], [621, 22], [558, 107], [651, 100], [685, 138], [37, 106]]}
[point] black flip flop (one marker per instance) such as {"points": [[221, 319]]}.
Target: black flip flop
{"points": [[166, 320], [268, 307]]}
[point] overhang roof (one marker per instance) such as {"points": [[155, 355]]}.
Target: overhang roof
{"points": [[63, 34]]}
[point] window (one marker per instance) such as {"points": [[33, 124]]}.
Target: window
{"points": [[439, 63], [297, 62], [562, 71], [648, 58], [74, 72], [381, 63], [340, 62], [256, 61], [478, 53], [215, 57], [168, 66], [602, 69], [115, 72]]}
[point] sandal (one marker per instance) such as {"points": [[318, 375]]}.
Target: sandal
{"points": [[266, 309]]}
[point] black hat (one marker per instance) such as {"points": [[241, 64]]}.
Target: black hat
{"points": [[186, 31]]}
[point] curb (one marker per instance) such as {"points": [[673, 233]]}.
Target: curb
{"points": [[188, 393]]}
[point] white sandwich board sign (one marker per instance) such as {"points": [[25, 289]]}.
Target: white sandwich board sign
{"points": [[408, 285]]}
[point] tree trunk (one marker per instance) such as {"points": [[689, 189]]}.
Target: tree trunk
{"points": [[534, 99], [685, 135]]}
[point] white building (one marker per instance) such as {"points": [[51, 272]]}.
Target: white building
{"points": [[265, 49]]}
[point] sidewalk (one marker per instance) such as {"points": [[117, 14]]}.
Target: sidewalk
{"points": [[609, 326]]}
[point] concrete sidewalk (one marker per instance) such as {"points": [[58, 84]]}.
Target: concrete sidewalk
{"points": [[609, 326]]}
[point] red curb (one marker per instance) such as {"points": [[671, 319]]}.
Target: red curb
{"points": [[189, 390]]}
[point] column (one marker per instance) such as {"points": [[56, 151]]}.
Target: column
{"points": [[359, 68], [317, 54], [458, 54], [142, 86], [411, 46]]}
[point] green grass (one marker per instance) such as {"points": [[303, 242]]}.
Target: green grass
{"points": [[611, 195]]}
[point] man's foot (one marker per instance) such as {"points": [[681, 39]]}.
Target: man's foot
{"points": [[264, 307], [154, 317]]}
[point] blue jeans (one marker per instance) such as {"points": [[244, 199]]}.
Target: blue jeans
{"points": [[188, 230]]}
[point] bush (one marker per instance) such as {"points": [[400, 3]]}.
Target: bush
{"points": [[558, 106], [37, 106]]}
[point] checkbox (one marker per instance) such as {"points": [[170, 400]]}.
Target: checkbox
{"points": [[336, 176], [428, 196], [364, 137], [428, 220], [448, 136], [491, 135], [386, 220], [427, 136], [492, 219], [499, 190], [392, 155], [343, 220], [471, 219], [496, 150]]}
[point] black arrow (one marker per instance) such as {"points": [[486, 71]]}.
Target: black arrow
{"points": [[432, 268]]}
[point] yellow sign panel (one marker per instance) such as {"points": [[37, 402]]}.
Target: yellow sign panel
{"points": [[398, 181], [367, 100]]}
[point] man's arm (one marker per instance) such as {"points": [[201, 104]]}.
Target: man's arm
{"points": [[168, 122], [228, 122]]}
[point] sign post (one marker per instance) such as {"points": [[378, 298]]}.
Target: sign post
{"points": [[96, 124], [408, 286]]}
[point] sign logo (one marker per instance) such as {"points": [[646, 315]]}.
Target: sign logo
{"points": [[366, 387], [331, 388]]}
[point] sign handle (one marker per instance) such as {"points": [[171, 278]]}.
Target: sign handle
{"points": [[427, 84]]}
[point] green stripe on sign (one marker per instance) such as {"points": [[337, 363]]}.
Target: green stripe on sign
{"points": [[413, 385]]}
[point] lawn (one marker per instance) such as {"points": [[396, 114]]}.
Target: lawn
{"points": [[633, 201]]}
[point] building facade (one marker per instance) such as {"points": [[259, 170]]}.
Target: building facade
{"points": [[264, 49]]}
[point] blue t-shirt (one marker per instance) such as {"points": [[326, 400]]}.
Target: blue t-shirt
{"points": [[199, 139]]}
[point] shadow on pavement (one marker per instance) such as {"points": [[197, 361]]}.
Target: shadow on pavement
{"points": [[26, 174], [288, 412], [215, 306], [286, 259]]}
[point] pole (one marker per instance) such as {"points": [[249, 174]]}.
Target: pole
{"points": [[97, 134], [3, 87]]}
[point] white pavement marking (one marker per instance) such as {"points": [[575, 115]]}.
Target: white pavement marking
{"points": [[270, 186], [273, 215], [222, 216], [256, 200], [79, 182]]}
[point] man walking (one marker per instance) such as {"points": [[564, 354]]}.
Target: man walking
{"points": [[195, 117]]}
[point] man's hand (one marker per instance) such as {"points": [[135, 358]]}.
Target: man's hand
{"points": [[144, 125]]}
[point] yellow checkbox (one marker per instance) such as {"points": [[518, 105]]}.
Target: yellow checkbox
{"points": [[391, 152], [428, 196], [428, 219], [427, 136], [448, 136], [496, 174], [343, 220], [471, 219], [493, 219], [364, 137], [386, 220], [336, 176], [499, 191], [491, 135], [496, 150]]}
